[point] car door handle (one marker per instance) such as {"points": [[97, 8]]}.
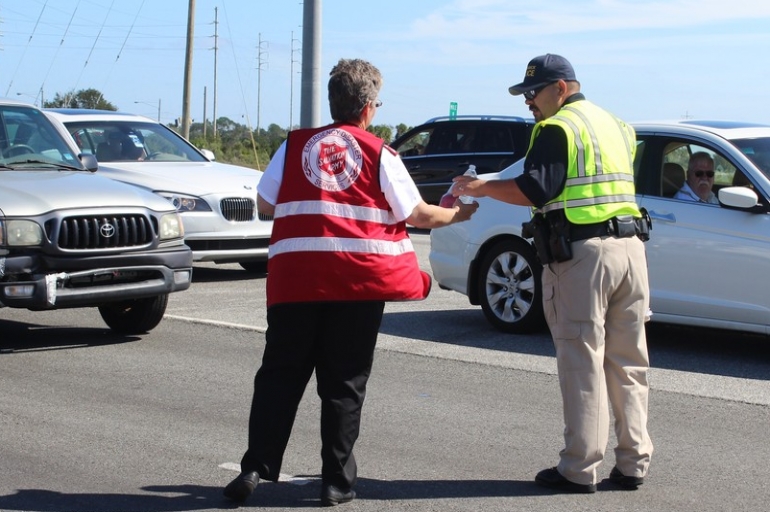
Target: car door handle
{"points": [[665, 217], [463, 164], [414, 167]]}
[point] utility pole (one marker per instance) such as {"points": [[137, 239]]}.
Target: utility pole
{"points": [[310, 112], [216, 40], [188, 70], [204, 113], [291, 81], [261, 50]]}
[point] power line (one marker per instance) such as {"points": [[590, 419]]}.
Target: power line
{"points": [[25, 48]]}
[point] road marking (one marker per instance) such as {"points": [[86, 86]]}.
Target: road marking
{"points": [[294, 480], [734, 389], [217, 323]]}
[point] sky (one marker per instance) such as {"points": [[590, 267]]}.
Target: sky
{"points": [[640, 59]]}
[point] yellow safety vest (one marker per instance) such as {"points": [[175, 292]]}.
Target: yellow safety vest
{"points": [[600, 178]]}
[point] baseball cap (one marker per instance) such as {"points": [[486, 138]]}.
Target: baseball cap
{"points": [[544, 70]]}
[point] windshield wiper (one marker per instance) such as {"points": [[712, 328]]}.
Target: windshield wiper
{"points": [[58, 165]]}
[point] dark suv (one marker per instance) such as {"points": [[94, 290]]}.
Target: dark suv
{"points": [[444, 147]]}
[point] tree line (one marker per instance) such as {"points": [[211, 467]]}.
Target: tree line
{"points": [[233, 143]]}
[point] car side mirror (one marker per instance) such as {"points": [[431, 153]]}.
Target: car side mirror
{"points": [[739, 198], [208, 154], [89, 161]]}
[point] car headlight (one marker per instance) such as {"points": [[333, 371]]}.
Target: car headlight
{"points": [[171, 226], [20, 233], [184, 203]]}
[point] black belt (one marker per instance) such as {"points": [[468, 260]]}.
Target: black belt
{"points": [[583, 231]]}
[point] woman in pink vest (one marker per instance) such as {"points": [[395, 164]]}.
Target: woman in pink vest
{"points": [[341, 200]]}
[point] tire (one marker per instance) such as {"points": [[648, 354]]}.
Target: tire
{"points": [[255, 267], [134, 316], [510, 287]]}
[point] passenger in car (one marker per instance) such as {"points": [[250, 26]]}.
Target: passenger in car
{"points": [[700, 179], [111, 150]]}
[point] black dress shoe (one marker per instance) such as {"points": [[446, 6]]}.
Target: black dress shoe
{"points": [[629, 483], [241, 487], [552, 479], [331, 496]]}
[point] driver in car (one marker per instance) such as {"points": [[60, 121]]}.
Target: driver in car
{"points": [[700, 179]]}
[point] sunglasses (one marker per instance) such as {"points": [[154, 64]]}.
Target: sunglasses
{"points": [[532, 93], [700, 174], [377, 103]]}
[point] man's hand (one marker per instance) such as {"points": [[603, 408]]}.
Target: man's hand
{"points": [[468, 186]]}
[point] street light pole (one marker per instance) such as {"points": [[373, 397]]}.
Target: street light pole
{"points": [[34, 98], [151, 105]]}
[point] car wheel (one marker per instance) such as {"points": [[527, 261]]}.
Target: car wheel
{"points": [[510, 288], [256, 267], [134, 316]]}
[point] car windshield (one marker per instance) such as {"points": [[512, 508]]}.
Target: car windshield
{"points": [[27, 139], [757, 150], [114, 141]]}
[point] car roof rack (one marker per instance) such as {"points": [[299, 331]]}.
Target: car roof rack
{"points": [[478, 117]]}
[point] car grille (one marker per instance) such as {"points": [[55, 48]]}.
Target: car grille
{"points": [[237, 209], [105, 232]]}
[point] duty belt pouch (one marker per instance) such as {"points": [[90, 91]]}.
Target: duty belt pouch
{"points": [[559, 239], [624, 226], [538, 230], [644, 225]]}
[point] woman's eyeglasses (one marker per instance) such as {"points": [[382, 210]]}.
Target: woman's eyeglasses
{"points": [[700, 174]]}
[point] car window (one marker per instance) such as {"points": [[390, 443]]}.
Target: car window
{"points": [[451, 138], [26, 134], [757, 150], [641, 145], [113, 141], [416, 144], [674, 163], [493, 138]]}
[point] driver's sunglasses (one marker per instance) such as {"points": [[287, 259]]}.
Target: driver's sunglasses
{"points": [[700, 174], [532, 93]]}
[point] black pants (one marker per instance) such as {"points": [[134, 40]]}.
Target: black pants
{"points": [[337, 340]]}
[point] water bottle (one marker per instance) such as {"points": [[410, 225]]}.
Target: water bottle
{"points": [[472, 173]]}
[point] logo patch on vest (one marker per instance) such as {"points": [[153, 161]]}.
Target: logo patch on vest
{"points": [[332, 159]]}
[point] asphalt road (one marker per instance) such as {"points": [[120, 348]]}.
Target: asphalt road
{"points": [[459, 417]]}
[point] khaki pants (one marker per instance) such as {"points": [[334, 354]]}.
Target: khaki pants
{"points": [[595, 305]]}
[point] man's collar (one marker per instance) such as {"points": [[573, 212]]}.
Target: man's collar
{"points": [[578, 96]]}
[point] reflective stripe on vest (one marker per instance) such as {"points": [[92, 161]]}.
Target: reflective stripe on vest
{"points": [[345, 211], [341, 245], [600, 181]]}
